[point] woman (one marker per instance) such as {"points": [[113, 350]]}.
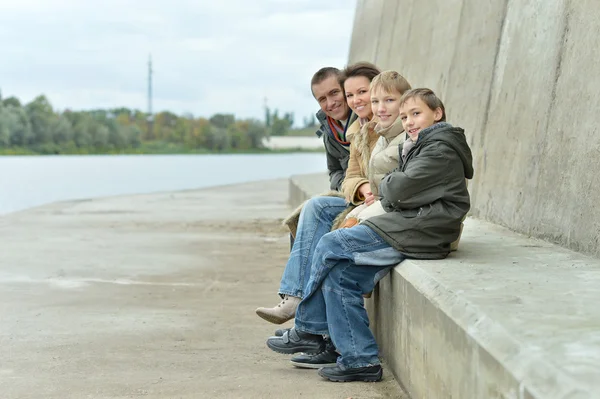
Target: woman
{"points": [[316, 217]]}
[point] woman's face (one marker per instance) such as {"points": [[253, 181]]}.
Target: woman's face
{"points": [[358, 97]]}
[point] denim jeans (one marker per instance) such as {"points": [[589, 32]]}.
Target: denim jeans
{"points": [[347, 264], [316, 218]]}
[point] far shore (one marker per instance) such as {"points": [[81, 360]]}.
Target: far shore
{"points": [[272, 145]]}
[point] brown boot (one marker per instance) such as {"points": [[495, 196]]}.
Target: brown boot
{"points": [[286, 310]]}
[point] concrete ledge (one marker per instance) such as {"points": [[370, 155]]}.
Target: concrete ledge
{"points": [[503, 317], [302, 187]]}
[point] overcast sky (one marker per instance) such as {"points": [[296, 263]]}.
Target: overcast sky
{"points": [[208, 56]]}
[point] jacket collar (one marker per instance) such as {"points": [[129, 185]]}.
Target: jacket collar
{"points": [[391, 131], [428, 130], [322, 119]]}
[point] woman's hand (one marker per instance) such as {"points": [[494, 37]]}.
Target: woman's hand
{"points": [[370, 199], [365, 190]]}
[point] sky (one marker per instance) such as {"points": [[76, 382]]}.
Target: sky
{"points": [[208, 57]]}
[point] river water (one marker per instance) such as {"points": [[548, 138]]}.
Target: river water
{"points": [[28, 181]]}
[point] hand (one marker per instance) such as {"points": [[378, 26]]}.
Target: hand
{"points": [[350, 222], [365, 190], [370, 199]]}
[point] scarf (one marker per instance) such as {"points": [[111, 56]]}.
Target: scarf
{"points": [[339, 131]]}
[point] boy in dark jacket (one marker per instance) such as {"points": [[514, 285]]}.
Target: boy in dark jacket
{"points": [[425, 200]]}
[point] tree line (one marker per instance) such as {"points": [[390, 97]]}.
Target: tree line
{"points": [[36, 127]]}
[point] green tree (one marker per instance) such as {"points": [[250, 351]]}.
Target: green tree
{"points": [[133, 135], [238, 137], [83, 130], [11, 102], [21, 134], [289, 116], [256, 133], [309, 121], [37, 127], [180, 131], [280, 127], [217, 139], [197, 135], [61, 130], [5, 126], [164, 126], [4, 130], [222, 120], [100, 136], [40, 114]]}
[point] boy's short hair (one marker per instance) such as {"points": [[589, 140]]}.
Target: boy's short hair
{"points": [[323, 74], [428, 97], [390, 81], [364, 69]]}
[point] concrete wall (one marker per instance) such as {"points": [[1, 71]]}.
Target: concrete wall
{"points": [[523, 78]]}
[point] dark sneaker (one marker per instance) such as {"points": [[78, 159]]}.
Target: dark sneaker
{"points": [[294, 341], [368, 374], [281, 331], [327, 358]]}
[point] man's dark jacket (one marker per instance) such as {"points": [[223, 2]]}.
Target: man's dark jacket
{"points": [[338, 155], [426, 198]]}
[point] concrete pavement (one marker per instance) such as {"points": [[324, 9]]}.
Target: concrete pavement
{"points": [[151, 296]]}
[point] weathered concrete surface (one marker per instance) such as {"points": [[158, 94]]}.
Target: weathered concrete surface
{"points": [[503, 317], [302, 187], [521, 77], [151, 296], [365, 33]]}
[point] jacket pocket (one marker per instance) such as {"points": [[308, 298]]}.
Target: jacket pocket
{"points": [[416, 212]]}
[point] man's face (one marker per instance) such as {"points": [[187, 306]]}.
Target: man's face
{"points": [[330, 97], [416, 116], [386, 105]]}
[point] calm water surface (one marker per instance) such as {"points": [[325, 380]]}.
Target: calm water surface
{"points": [[36, 180]]}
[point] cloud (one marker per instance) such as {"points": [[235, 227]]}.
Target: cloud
{"points": [[208, 56]]}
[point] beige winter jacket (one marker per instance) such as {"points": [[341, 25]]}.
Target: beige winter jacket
{"points": [[362, 142], [386, 153]]}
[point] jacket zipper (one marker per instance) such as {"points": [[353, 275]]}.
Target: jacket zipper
{"points": [[408, 156]]}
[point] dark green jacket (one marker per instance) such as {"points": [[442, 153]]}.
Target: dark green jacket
{"points": [[426, 198], [337, 153]]}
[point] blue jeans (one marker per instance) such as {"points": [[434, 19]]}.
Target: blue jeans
{"points": [[347, 264], [316, 218]]}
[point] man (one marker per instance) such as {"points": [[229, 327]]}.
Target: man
{"points": [[317, 215], [335, 117]]}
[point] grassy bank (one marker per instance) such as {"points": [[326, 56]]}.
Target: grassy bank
{"points": [[145, 149]]}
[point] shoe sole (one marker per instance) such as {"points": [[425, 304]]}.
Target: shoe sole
{"points": [[296, 349], [272, 319], [312, 366], [367, 378]]}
